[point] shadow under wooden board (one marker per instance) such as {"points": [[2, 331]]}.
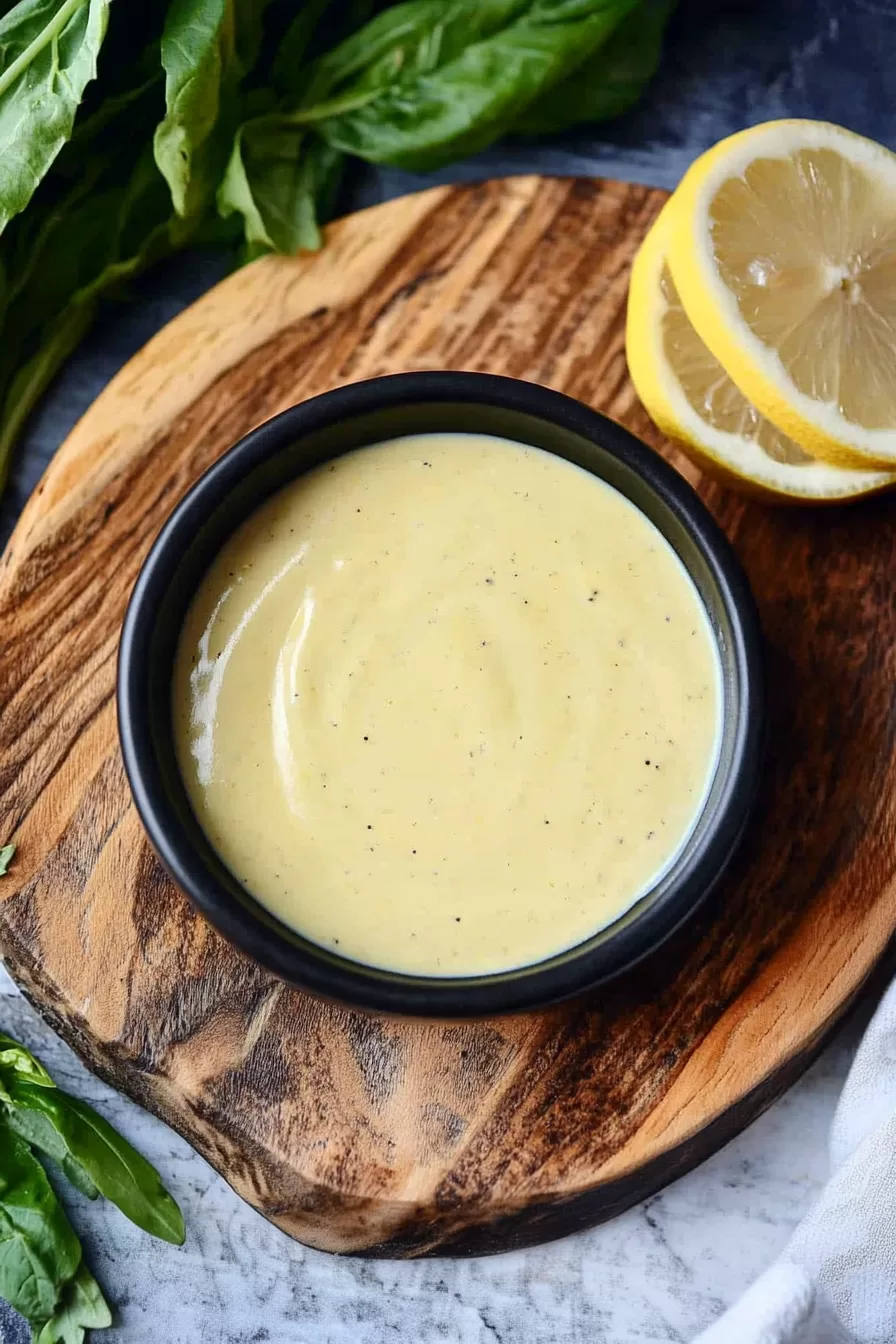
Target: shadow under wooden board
{"points": [[405, 1138]]}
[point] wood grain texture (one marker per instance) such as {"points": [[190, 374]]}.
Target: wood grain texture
{"points": [[386, 1138]]}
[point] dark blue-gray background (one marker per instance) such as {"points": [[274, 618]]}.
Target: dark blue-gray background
{"points": [[725, 66]]}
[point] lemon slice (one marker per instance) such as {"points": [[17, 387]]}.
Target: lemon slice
{"points": [[692, 399], [783, 249]]}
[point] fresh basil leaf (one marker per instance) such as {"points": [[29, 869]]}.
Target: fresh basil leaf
{"points": [[89, 242], [75, 1173], [39, 1252], [208, 46], [7, 852], [39, 1132], [442, 109], [117, 1170], [17, 1062], [48, 54], [199, 59], [82, 1307], [280, 180], [404, 40], [610, 81]]}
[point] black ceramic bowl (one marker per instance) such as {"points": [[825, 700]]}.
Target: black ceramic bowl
{"points": [[335, 423]]}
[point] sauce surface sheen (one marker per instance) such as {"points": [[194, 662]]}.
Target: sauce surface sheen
{"points": [[447, 705]]}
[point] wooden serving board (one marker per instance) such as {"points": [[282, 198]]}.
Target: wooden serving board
{"points": [[404, 1138]]}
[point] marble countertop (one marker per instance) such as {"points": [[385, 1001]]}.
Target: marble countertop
{"points": [[664, 1270]]}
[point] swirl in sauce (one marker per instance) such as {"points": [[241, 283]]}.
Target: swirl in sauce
{"points": [[447, 705]]}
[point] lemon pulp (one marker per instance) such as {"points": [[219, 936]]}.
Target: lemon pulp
{"points": [[692, 399], [709, 391], [807, 246], [783, 250]]}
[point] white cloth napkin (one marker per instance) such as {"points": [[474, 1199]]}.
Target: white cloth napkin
{"points": [[835, 1282]]}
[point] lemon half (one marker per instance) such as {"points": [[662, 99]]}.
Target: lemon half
{"points": [[692, 399], [783, 249]]}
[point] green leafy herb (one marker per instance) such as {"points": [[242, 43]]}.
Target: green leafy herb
{"points": [[408, 39], [199, 58], [208, 47], [6, 857], [18, 1066], [106, 228], [39, 1132], [39, 1251], [610, 81], [81, 1307], [48, 54], [41, 1272], [17, 1062], [69, 1127], [279, 179], [229, 121], [420, 105]]}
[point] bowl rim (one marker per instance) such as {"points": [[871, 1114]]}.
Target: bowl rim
{"points": [[314, 969]]}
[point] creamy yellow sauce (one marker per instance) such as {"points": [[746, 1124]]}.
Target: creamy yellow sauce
{"points": [[447, 705]]}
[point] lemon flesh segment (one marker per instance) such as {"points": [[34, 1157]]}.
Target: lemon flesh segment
{"points": [[689, 395], [784, 252]]}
